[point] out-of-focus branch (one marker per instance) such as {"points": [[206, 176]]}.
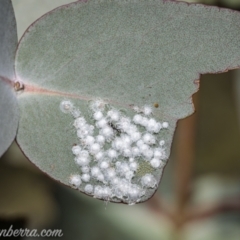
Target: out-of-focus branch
{"points": [[205, 211], [158, 206], [185, 154]]}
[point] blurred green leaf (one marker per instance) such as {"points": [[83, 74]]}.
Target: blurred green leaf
{"points": [[8, 104], [128, 53]]}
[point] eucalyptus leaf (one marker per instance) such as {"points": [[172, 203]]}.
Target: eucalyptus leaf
{"points": [[125, 54], [9, 113]]}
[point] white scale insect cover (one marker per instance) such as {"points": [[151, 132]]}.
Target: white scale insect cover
{"points": [[111, 148]]}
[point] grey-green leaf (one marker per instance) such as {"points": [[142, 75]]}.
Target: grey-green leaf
{"points": [[126, 54], [9, 113]]}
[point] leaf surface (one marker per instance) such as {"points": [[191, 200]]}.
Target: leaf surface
{"points": [[9, 113], [131, 53]]}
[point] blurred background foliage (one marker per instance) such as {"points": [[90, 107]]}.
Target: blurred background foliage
{"points": [[199, 195]]}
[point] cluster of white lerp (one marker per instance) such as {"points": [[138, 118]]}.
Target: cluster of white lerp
{"points": [[112, 147]]}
